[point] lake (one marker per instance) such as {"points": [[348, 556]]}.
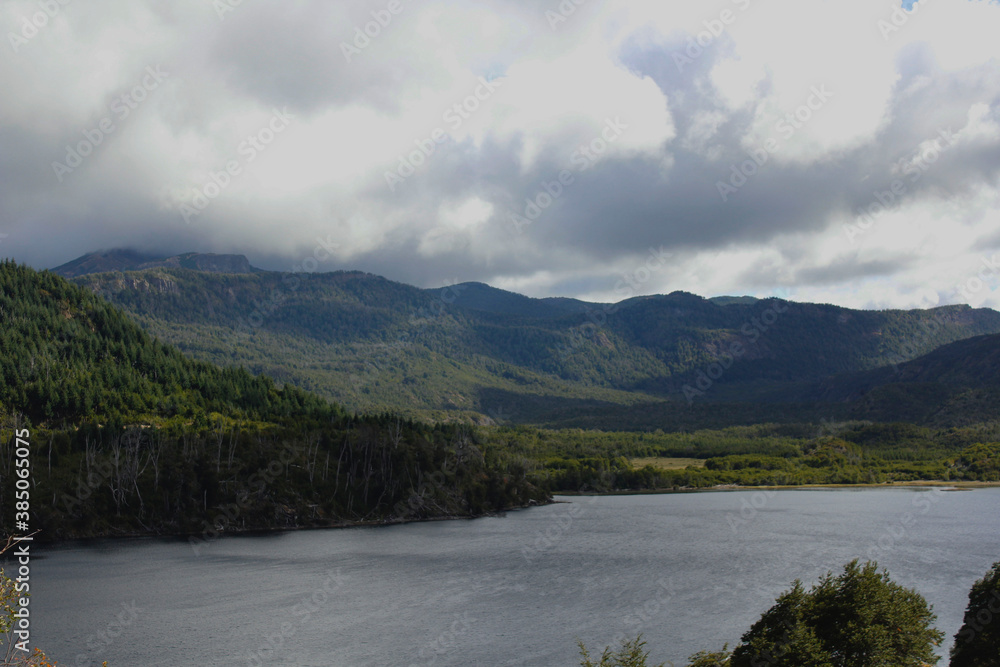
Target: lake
{"points": [[690, 571]]}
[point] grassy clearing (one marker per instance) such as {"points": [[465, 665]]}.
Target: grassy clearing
{"points": [[667, 463]]}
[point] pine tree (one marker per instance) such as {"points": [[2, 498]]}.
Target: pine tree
{"points": [[977, 643]]}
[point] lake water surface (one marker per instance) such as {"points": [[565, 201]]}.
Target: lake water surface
{"points": [[690, 571]]}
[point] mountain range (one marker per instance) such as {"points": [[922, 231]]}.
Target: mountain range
{"points": [[474, 352], [131, 260]]}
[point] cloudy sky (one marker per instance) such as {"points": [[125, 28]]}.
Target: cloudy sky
{"points": [[844, 152]]}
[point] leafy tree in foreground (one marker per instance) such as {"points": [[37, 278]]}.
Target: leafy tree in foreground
{"points": [[10, 605], [630, 654], [710, 659], [857, 619], [977, 644]]}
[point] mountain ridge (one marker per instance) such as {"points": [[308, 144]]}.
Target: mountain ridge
{"points": [[470, 351], [127, 259]]}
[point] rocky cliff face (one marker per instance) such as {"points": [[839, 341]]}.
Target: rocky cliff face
{"points": [[209, 263]]}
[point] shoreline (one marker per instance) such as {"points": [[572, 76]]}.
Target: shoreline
{"points": [[954, 486], [374, 523], [203, 538]]}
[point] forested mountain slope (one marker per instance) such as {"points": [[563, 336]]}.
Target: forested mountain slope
{"points": [[473, 351], [127, 435]]}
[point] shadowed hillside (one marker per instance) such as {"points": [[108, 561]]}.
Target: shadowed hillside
{"points": [[474, 352]]}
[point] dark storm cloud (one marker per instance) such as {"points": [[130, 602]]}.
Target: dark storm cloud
{"points": [[614, 211], [849, 270]]}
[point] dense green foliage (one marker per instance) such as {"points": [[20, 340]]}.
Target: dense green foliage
{"points": [[766, 454], [66, 354], [471, 351], [170, 438], [710, 658], [631, 653], [115, 480], [128, 435], [859, 618], [977, 643]]}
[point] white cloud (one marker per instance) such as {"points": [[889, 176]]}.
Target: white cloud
{"points": [[552, 91]]}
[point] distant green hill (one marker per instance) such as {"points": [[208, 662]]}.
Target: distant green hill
{"points": [[67, 354], [955, 385], [475, 352], [137, 438], [482, 297]]}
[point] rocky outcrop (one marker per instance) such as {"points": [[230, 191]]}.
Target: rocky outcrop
{"points": [[209, 263], [130, 260]]}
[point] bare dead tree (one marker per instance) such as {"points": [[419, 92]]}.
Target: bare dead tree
{"points": [[129, 461], [155, 449], [233, 441], [90, 454], [219, 433], [137, 459], [115, 481]]}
